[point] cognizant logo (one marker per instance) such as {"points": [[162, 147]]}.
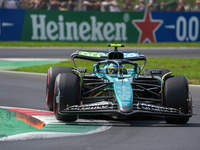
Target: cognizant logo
{"points": [[92, 30], [92, 54]]}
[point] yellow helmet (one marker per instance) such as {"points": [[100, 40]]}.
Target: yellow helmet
{"points": [[113, 69]]}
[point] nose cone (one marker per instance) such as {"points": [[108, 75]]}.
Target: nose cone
{"points": [[124, 109], [124, 95]]}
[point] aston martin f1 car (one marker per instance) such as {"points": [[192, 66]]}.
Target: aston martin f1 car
{"points": [[117, 87]]}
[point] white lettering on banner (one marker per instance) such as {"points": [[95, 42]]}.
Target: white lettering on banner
{"points": [[96, 26], [108, 30], [61, 28], [72, 26], [187, 30], [72, 31], [84, 29], [120, 28], [51, 29], [38, 26]]}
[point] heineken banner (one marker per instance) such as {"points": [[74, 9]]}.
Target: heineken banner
{"points": [[132, 27]]}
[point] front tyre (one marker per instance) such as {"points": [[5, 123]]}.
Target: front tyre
{"points": [[67, 89], [176, 93]]}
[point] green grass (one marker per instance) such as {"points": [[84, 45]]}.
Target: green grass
{"points": [[94, 44], [188, 67]]}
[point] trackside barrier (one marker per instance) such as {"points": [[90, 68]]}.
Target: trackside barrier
{"points": [[133, 27]]}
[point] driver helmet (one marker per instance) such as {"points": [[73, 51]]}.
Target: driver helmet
{"points": [[113, 69]]}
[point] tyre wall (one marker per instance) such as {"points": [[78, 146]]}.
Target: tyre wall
{"points": [[133, 27]]}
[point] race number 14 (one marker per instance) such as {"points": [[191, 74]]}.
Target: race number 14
{"points": [[188, 31]]}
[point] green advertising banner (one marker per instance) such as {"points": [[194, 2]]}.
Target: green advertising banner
{"points": [[133, 27], [79, 26]]}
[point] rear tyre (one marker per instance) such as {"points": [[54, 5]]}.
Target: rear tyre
{"points": [[176, 94], [66, 94], [50, 82]]}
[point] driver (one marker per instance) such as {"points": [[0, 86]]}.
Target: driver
{"points": [[113, 69]]}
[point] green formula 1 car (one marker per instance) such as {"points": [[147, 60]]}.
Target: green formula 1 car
{"points": [[116, 87]]}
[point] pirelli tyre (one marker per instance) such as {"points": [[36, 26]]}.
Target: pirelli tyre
{"points": [[155, 72], [50, 82], [67, 89], [176, 92]]}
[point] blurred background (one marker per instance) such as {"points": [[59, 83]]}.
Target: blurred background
{"points": [[104, 5]]}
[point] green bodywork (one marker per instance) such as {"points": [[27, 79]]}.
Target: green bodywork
{"points": [[121, 82]]}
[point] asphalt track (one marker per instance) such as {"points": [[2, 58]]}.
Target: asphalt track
{"points": [[139, 133], [66, 52]]}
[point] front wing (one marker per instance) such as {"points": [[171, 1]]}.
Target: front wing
{"points": [[106, 108]]}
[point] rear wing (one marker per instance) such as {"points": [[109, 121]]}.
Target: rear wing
{"points": [[102, 55]]}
